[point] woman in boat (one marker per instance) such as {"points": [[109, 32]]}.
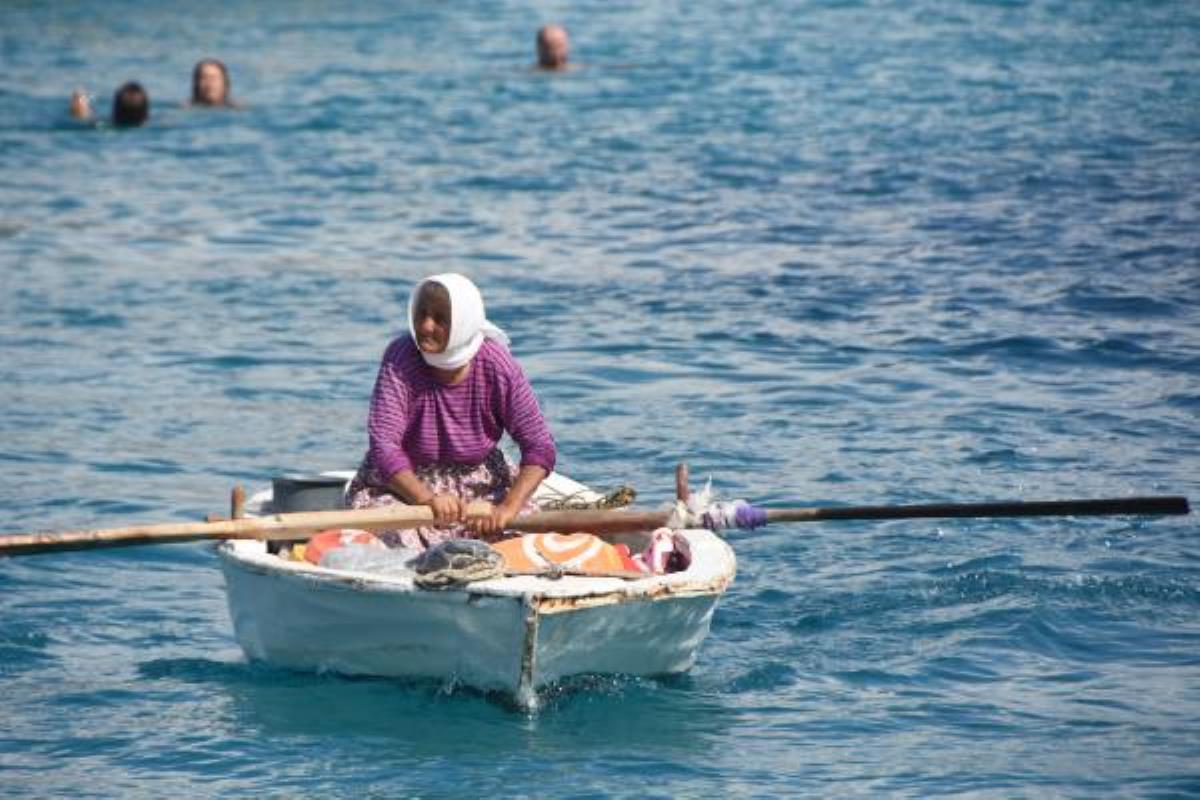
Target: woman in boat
{"points": [[444, 396]]}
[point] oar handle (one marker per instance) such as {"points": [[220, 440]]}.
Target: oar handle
{"points": [[300, 526], [277, 527]]}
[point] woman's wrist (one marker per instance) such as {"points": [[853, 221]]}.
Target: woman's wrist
{"points": [[507, 506]]}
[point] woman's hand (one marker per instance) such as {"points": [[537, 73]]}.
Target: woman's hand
{"points": [[504, 512], [446, 508], [493, 524]]}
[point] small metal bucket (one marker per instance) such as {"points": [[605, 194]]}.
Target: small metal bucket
{"points": [[308, 493]]}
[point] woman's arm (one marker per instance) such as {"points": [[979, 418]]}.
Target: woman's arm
{"points": [[446, 507], [387, 419], [503, 513], [522, 418], [386, 425]]}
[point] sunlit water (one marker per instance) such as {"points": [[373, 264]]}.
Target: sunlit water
{"points": [[827, 252]]}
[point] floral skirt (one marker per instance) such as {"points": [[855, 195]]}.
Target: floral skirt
{"points": [[489, 481]]}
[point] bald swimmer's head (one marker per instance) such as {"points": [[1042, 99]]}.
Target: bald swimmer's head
{"points": [[553, 47]]}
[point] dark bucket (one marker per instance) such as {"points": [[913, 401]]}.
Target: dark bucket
{"points": [[308, 493]]}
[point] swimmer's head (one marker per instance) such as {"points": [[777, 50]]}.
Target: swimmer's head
{"points": [[131, 105], [553, 47], [210, 83]]}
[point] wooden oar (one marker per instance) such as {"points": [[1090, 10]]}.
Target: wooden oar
{"points": [[299, 526]]}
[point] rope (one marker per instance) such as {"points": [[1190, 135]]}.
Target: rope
{"points": [[578, 501], [455, 562]]}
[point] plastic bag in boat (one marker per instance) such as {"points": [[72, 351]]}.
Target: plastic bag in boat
{"points": [[367, 558], [327, 541]]}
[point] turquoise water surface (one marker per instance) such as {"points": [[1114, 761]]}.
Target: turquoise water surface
{"points": [[838, 252]]}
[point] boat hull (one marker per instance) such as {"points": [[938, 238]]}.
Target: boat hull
{"points": [[309, 622], [513, 634], [509, 634]]}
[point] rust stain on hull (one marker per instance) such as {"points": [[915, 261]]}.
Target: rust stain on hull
{"points": [[538, 605], [558, 605], [526, 694]]}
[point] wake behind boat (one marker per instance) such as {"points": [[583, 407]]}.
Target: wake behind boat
{"points": [[514, 634]]}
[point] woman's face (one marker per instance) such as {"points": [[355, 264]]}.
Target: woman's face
{"points": [[431, 318], [211, 85]]}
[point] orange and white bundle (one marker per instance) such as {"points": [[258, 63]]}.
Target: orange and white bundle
{"points": [[577, 552]]}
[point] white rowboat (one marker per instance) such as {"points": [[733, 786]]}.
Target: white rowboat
{"points": [[512, 634]]}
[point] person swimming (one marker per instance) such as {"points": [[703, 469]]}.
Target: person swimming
{"points": [[553, 48], [210, 85], [130, 106]]}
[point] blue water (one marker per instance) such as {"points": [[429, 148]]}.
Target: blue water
{"points": [[841, 252]]}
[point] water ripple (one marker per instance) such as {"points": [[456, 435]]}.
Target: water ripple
{"points": [[849, 253]]}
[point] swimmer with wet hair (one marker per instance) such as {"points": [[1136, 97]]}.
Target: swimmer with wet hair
{"points": [[553, 47], [130, 106], [210, 84]]}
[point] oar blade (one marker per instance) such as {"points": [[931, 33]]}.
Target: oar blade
{"points": [[1115, 506]]}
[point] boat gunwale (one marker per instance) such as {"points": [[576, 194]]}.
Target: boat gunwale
{"points": [[551, 593], [569, 591]]}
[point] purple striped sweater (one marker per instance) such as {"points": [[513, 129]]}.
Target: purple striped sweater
{"points": [[415, 421]]}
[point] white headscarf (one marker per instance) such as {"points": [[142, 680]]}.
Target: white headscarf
{"points": [[469, 325]]}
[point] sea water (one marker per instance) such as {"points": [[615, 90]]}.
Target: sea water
{"points": [[839, 252]]}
